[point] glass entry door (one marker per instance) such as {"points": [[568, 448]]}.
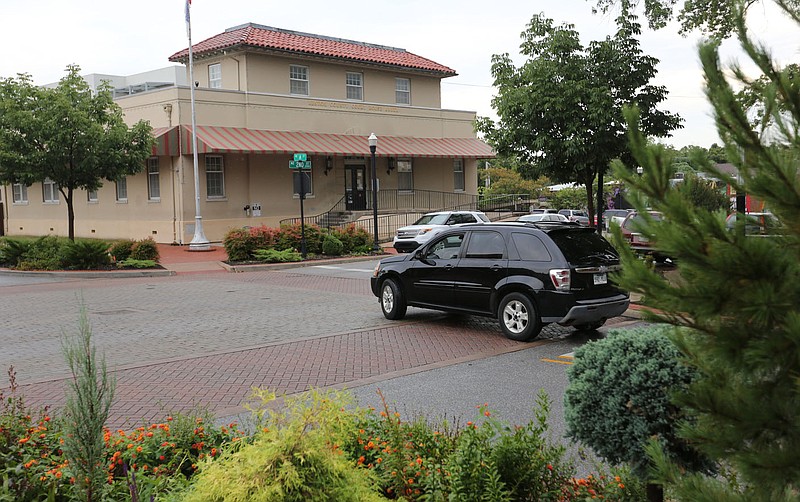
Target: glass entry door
{"points": [[355, 187]]}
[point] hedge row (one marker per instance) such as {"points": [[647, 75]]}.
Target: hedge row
{"points": [[58, 253], [241, 243]]}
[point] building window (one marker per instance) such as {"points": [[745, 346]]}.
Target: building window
{"points": [[298, 80], [355, 86], [153, 183], [91, 195], [402, 91], [458, 175], [49, 191], [215, 76], [215, 177], [405, 176], [122, 189], [19, 193]]}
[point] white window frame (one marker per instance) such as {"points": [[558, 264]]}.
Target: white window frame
{"points": [[121, 190], [19, 193], [402, 91], [49, 191], [215, 175], [91, 196], [215, 76], [405, 175], [298, 80], [354, 86], [153, 180], [458, 175]]}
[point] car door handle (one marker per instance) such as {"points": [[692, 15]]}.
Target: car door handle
{"points": [[496, 268], [448, 266]]}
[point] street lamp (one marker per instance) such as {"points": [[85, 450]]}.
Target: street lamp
{"points": [[373, 145]]}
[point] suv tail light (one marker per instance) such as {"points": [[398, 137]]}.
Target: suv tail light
{"points": [[560, 278]]}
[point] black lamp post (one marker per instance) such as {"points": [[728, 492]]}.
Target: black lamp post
{"points": [[373, 145]]}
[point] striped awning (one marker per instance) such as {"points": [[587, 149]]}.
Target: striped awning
{"points": [[167, 141], [213, 139]]}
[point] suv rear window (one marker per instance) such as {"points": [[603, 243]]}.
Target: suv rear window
{"points": [[581, 245]]}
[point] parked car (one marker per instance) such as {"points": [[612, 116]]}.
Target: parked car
{"points": [[410, 237], [755, 223], [614, 216], [526, 275], [544, 210], [576, 216], [636, 240], [560, 218]]}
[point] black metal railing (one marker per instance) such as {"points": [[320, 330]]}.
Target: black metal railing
{"points": [[397, 208]]}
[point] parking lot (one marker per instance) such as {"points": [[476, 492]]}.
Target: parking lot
{"points": [[205, 339]]}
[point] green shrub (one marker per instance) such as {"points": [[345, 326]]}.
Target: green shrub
{"points": [[275, 256], [290, 238], [85, 254], [44, 253], [241, 243], [134, 263], [145, 249], [12, 250], [294, 457], [121, 250], [353, 237], [332, 246], [618, 398]]}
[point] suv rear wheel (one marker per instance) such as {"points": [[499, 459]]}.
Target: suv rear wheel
{"points": [[518, 317], [392, 302]]}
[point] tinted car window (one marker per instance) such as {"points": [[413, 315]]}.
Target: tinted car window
{"points": [[432, 219], [446, 249], [637, 219], [530, 247], [489, 245], [578, 246]]}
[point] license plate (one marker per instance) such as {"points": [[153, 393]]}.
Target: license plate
{"points": [[641, 239], [600, 279]]}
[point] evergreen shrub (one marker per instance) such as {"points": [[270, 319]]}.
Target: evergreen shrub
{"points": [[332, 246], [145, 249], [85, 254], [290, 237], [618, 397], [238, 244], [44, 253], [275, 256], [121, 250], [12, 250]]}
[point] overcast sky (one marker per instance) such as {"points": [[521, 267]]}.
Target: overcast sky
{"points": [[121, 38]]}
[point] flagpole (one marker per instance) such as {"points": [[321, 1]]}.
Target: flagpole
{"points": [[199, 241]]}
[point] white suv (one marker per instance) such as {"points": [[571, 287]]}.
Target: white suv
{"points": [[413, 236]]}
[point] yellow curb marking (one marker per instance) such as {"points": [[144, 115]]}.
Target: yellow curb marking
{"points": [[562, 359]]}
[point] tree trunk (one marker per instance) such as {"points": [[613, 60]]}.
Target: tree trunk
{"points": [[600, 202], [70, 214], [589, 197]]}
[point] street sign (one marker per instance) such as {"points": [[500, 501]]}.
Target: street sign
{"points": [[300, 156], [299, 164]]}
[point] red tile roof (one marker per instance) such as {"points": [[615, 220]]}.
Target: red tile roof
{"points": [[254, 36]]}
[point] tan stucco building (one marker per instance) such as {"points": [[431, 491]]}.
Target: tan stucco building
{"points": [[262, 95]]}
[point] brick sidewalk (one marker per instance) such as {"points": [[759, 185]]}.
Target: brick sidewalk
{"points": [[222, 382]]}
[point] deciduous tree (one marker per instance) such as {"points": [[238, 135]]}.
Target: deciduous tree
{"points": [[67, 134], [561, 111]]}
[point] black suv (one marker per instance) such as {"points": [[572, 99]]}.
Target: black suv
{"points": [[525, 274]]}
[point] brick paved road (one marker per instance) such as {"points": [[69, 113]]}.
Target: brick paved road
{"points": [[177, 342]]}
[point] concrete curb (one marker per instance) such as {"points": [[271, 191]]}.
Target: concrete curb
{"points": [[258, 267], [88, 274]]}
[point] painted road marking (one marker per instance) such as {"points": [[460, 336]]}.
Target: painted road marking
{"points": [[562, 359]]}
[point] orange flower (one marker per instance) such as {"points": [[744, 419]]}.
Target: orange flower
{"points": [[24, 440], [139, 449], [486, 413]]}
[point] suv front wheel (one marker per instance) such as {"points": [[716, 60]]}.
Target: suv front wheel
{"points": [[392, 302], [518, 317]]}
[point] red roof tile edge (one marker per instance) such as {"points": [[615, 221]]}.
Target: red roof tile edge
{"points": [[266, 37]]}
